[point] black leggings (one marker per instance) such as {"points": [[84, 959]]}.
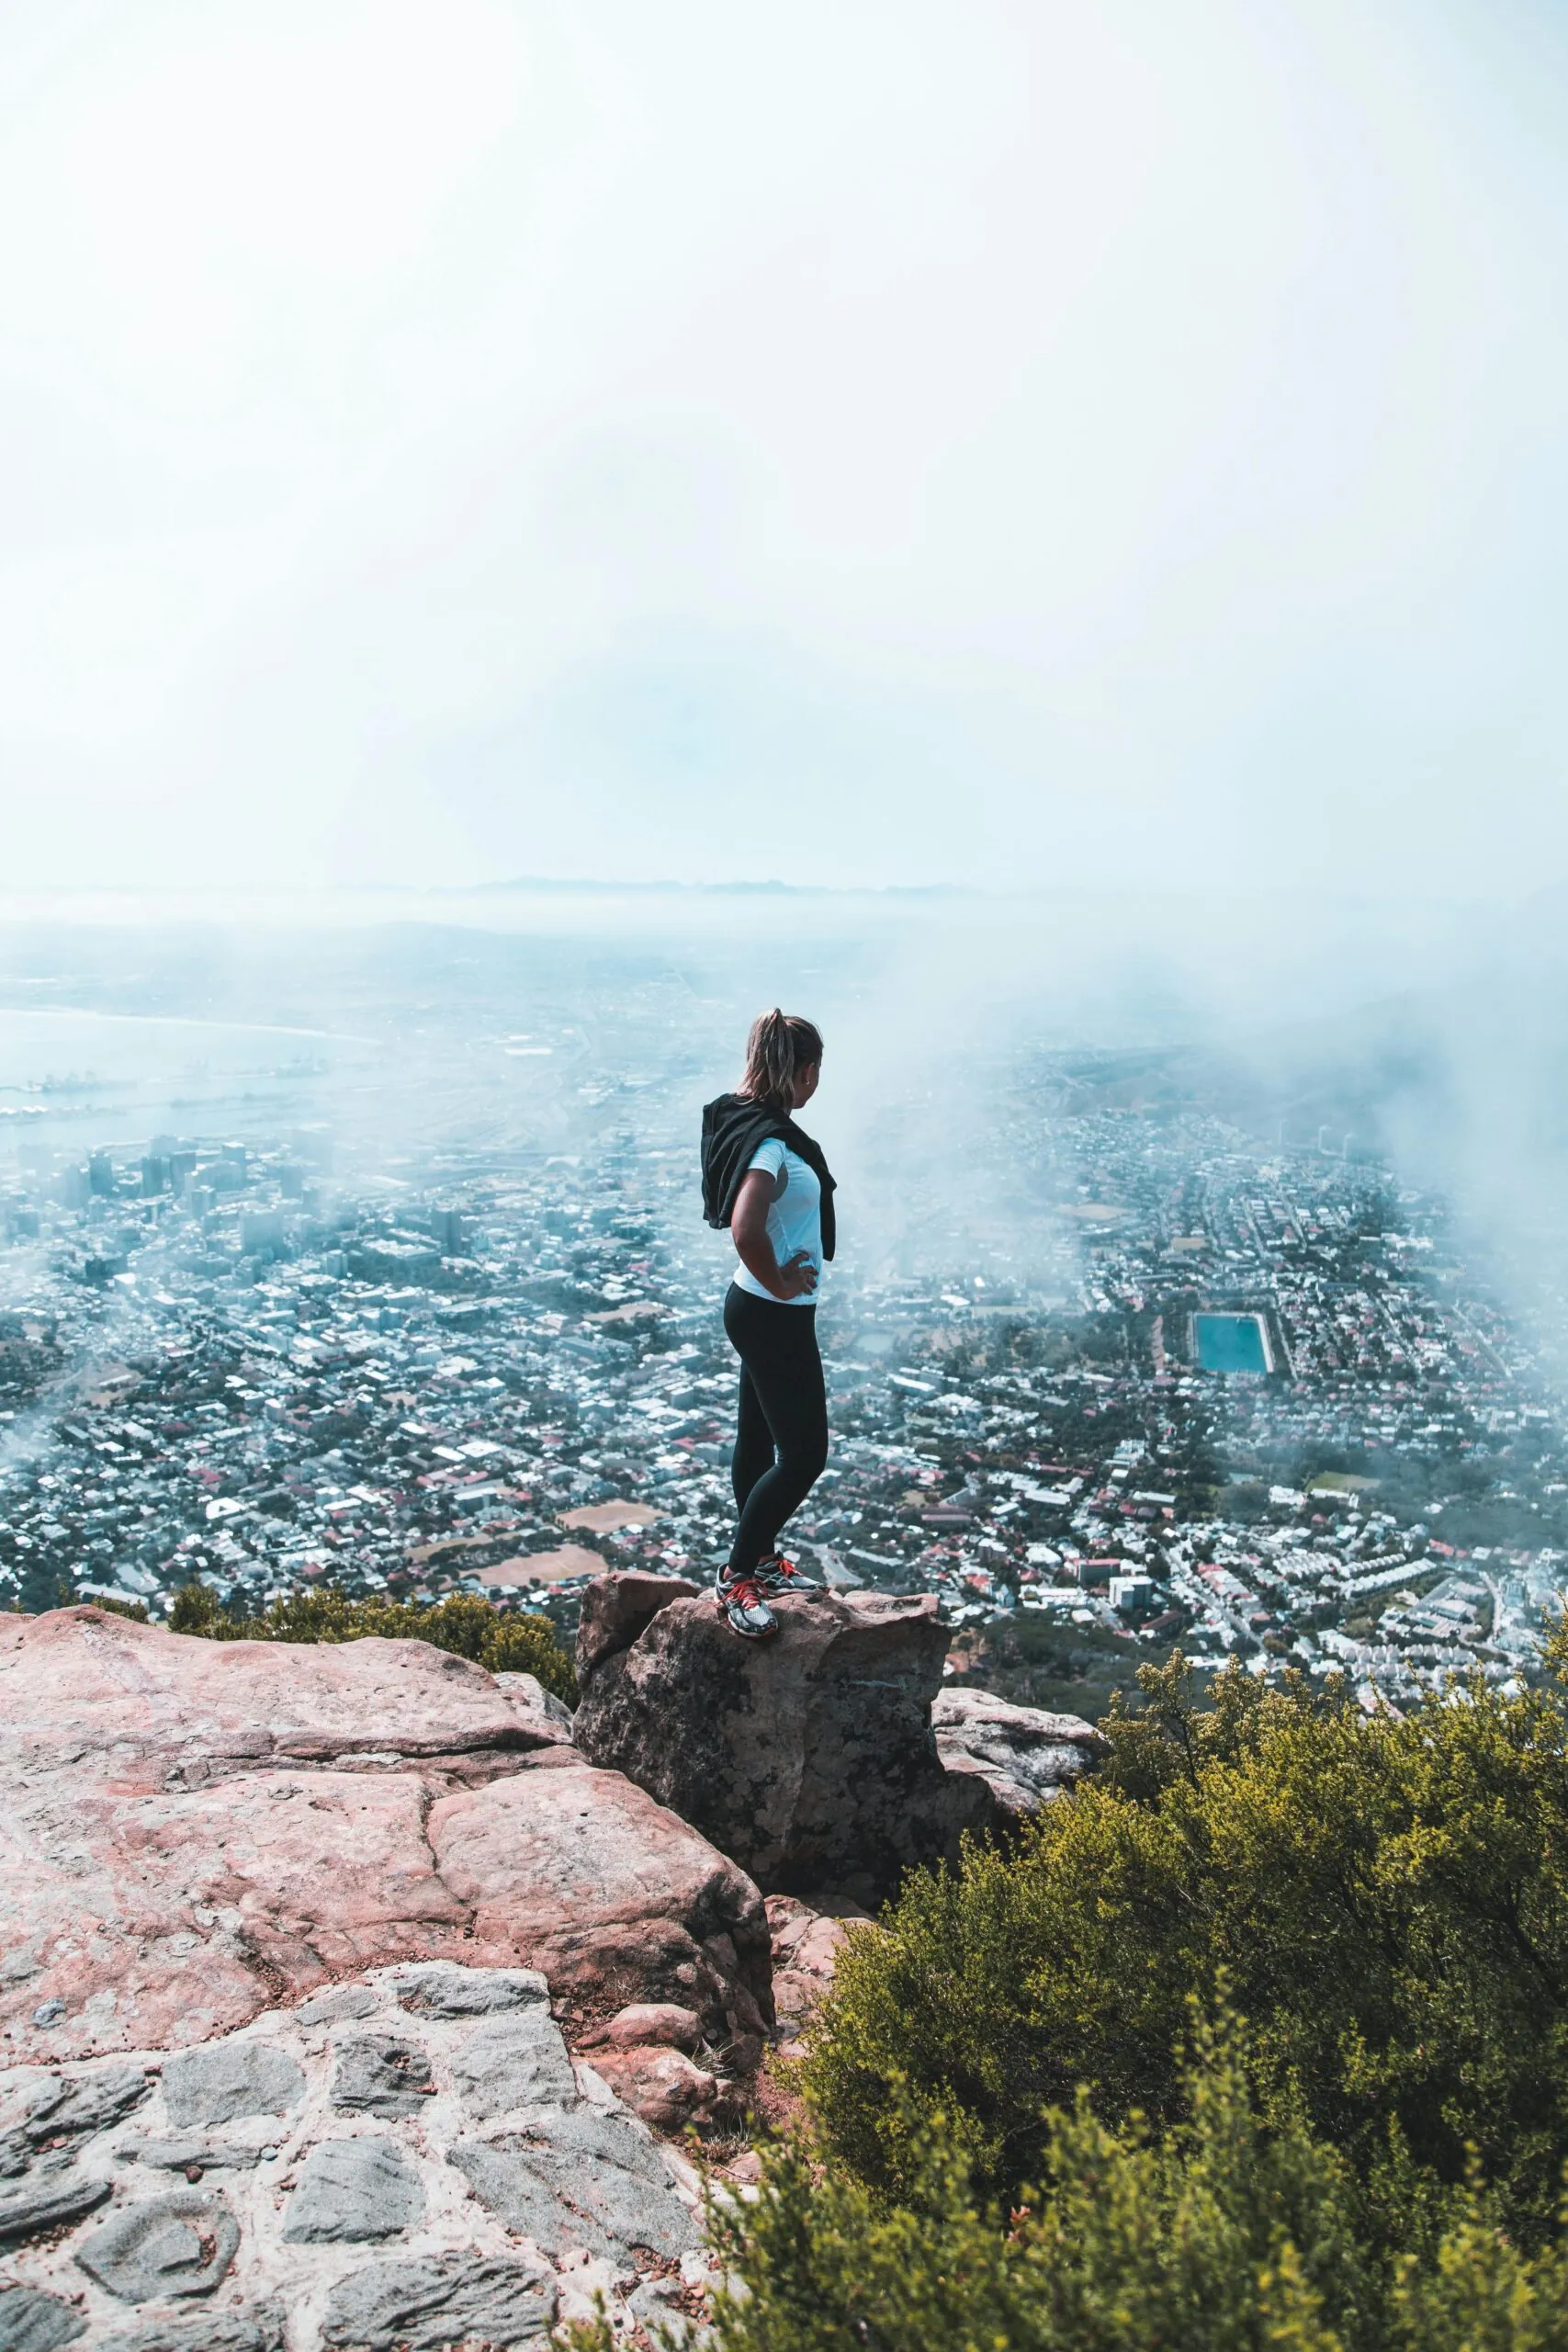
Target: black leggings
{"points": [[781, 1445]]}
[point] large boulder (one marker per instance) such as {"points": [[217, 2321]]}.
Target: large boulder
{"points": [[808, 1758], [255, 2192], [192, 1832], [1025, 1755]]}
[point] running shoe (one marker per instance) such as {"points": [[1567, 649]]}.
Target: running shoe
{"points": [[776, 1575], [740, 1599]]}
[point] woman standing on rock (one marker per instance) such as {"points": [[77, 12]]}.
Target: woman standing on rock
{"points": [[765, 1179]]}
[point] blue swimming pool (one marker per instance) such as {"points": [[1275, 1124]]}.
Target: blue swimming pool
{"points": [[1231, 1342]]}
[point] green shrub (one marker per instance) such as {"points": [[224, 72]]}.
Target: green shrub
{"points": [[1374, 2163], [1235, 2232], [1386, 1899], [135, 1610], [501, 1641]]}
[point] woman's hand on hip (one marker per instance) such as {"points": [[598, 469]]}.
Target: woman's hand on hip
{"points": [[797, 1277]]}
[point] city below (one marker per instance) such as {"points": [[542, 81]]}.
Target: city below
{"points": [[1208, 1391]]}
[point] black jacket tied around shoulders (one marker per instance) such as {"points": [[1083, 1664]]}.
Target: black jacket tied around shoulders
{"points": [[733, 1129]]}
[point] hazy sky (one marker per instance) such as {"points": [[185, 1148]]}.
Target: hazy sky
{"points": [[883, 442]]}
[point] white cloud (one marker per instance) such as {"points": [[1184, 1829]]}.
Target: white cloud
{"points": [[876, 443]]}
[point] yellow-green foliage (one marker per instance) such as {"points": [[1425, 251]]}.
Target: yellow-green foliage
{"points": [[501, 1641], [1387, 1900], [1374, 2162], [1236, 2231]]}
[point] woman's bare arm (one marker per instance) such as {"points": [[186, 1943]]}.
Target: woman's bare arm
{"points": [[749, 1225]]}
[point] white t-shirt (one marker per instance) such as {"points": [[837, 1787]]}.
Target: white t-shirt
{"points": [[795, 1219]]}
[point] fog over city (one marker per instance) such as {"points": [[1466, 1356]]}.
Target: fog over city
{"points": [[1028, 535]]}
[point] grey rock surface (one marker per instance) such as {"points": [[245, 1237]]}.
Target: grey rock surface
{"points": [[1025, 1755], [351, 2190], [438, 2305], [809, 1758], [59, 2111], [511, 2188], [48, 2196], [380, 2073], [343, 2001], [511, 2061], [259, 2331], [179, 2155], [500, 2221], [578, 2177], [227, 2079], [442, 1989], [31, 2321], [178, 2244], [69, 2109]]}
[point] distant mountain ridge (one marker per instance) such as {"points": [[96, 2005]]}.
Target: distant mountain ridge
{"points": [[718, 890]]}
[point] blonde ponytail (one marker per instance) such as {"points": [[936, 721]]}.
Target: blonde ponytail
{"points": [[780, 1045]]}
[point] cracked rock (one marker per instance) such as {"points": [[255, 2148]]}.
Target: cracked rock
{"points": [[65, 2111], [508, 2185], [223, 2080], [581, 2179], [351, 2190], [343, 2001], [179, 2244], [442, 1989], [511, 2061], [439, 2305], [98, 2100], [50, 2196], [809, 1758], [382, 2075], [32, 2321], [178, 2156], [257, 2331]]}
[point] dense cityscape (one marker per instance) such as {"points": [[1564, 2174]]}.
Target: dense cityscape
{"points": [[1198, 1391]]}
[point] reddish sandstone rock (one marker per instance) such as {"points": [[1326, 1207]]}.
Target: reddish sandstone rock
{"points": [[192, 1832], [160, 1710], [806, 1948], [650, 2023], [668, 2091], [545, 1718], [616, 1608], [604, 1889]]}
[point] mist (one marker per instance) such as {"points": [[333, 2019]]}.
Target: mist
{"points": [[577, 1024], [1008, 446]]}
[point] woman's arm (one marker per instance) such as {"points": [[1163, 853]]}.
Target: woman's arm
{"points": [[749, 1225]]}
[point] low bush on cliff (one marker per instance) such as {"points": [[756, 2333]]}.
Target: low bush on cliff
{"points": [[1023, 2136], [1237, 2231], [503, 1642], [1388, 1902]]}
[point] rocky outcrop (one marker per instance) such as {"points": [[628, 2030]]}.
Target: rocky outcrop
{"points": [[810, 1757], [1024, 1756], [194, 1832], [412, 2161], [616, 1609]]}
